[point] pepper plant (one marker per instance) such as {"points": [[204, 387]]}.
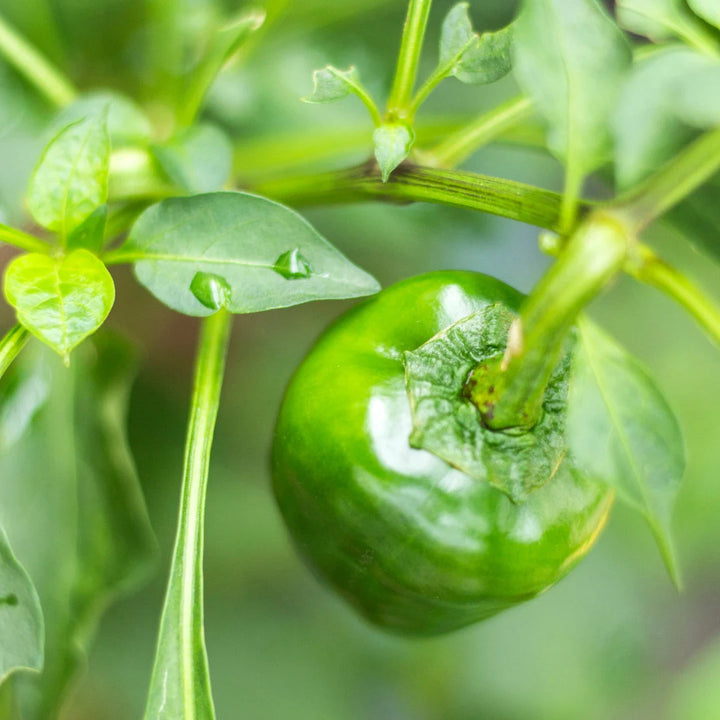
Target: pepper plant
{"points": [[450, 448]]}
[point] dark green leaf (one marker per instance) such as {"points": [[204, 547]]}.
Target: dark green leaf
{"points": [[708, 10], [60, 300], [71, 179], [447, 424], [71, 503], [621, 431], [199, 160], [647, 129], [330, 84], [127, 124], [90, 234], [470, 57], [393, 143], [21, 621], [571, 59], [240, 239]]}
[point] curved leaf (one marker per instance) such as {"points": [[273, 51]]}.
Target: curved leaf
{"points": [[470, 57], [21, 620], [241, 239], [621, 431]]}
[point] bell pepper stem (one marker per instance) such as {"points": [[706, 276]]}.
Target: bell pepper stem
{"points": [[648, 268], [11, 345], [408, 59], [181, 625], [590, 258], [35, 67]]}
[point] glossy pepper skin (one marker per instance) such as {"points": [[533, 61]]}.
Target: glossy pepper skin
{"points": [[415, 545]]}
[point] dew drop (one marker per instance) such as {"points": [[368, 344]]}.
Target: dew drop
{"points": [[213, 291], [293, 265]]}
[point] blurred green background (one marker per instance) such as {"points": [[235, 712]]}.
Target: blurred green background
{"points": [[613, 641]]}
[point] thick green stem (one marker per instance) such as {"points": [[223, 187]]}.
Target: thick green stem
{"points": [[410, 183], [181, 626], [591, 257], [669, 185], [35, 67], [408, 59], [11, 345], [22, 240], [651, 270], [458, 146]]}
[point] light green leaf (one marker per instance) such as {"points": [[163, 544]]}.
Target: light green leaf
{"points": [[708, 10], [127, 124], [198, 160], [571, 59], [71, 179], [60, 300], [330, 84], [697, 98], [621, 431], [21, 621], [470, 57], [393, 143], [70, 501], [241, 239], [646, 126]]}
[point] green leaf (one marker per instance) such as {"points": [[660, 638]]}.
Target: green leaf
{"points": [[60, 300], [697, 98], [621, 431], [393, 143], [330, 84], [470, 57], [70, 501], [90, 234], [21, 620], [447, 423], [646, 126], [708, 10], [198, 160], [127, 124], [241, 239], [71, 179], [571, 59]]}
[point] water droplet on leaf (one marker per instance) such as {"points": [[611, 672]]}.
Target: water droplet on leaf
{"points": [[293, 265], [213, 291]]}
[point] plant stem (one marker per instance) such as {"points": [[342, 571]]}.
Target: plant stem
{"points": [[22, 240], [408, 59], [651, 270], [464, 142], [591, 257], [11, 345], [367, 101], [35, 67], [669, 185], [410, 183], [181, 657]]}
